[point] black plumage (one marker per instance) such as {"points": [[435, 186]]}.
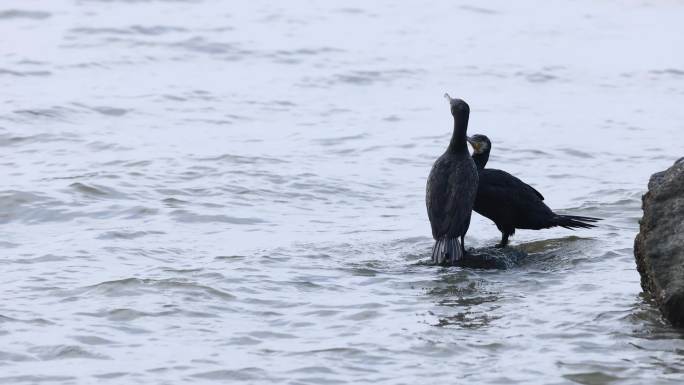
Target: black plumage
{"points": [[511, 203], [451, 190]]}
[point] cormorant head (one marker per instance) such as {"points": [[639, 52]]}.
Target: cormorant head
{"points": [[480, 143], [459, 108]]}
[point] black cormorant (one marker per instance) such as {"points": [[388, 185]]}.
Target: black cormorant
{"points": [[511, 203], [451, 190]]}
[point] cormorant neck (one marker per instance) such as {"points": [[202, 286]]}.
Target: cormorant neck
{"points": [[458, 138], [481, 159]]}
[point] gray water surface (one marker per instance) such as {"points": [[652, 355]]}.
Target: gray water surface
{"points": [[213, 191]]}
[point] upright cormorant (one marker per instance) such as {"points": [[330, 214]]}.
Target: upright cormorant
{"points": [[451, 190], [511, 203]]}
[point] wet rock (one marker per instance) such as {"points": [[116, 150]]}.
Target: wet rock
{"points": [[492, 258], [659, 246]]}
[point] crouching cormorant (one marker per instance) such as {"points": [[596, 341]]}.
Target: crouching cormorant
{"points": [[451, 190], [511, 203]]}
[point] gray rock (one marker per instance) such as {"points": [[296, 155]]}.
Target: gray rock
{"points": [[659, 246]]}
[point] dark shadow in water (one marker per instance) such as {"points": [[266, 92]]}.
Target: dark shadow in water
{"points": [[548, 253], [648, 323], [559, 253], [645, 329], [492, 258], [466, 298], [462, 300]]}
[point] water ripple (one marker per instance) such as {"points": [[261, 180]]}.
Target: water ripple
{"points": [[204, 191], [4, 71], [23, 14]]}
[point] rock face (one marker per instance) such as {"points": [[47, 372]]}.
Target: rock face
{"points": [[659, 246]]}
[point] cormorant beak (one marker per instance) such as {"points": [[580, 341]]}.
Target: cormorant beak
{"points": [[449, 98], [476, 145]]}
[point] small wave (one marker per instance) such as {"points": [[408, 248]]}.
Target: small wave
{"points": [[104, 110], [12, 198], [337, 351], [22, 204], [128, 314], [269, 335], [24, 73], [371, 77], [61, 352], [231, 257], [108, 376], [175, 202], [11, 140], [194, 95], [222, 50], [35, 379], [135, 212], [296, 56], [23, 14], [96, 191], [363, 315], [308, 51], [199, 44], [360, 78], [592, 378], [533, 151], [93, 340], [351, 11], [484, 11], [216, 122], [138, 286], [132, 30], [127, 234], [125, 315], [313, 370], [8, 356], [321, 313], [189, 217], [110, 111], [340, 139], [246, 374], [34, 321], [669, 71], [537, 77], [56, 112], [577, 153], [242, 159], [41, 259]]}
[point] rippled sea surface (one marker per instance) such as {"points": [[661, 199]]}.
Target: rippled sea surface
{"points": [[214, 191]]}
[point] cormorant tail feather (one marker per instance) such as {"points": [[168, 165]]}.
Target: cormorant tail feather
{"points": [[446, 251], [574, 221]]}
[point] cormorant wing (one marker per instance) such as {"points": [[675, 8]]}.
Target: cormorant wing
{"points": [[493, 179], [446, 200], [534, 189], [508, 201]]}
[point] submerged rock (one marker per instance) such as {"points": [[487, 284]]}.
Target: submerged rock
{"points": [[659, 246], [492, 258]]}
